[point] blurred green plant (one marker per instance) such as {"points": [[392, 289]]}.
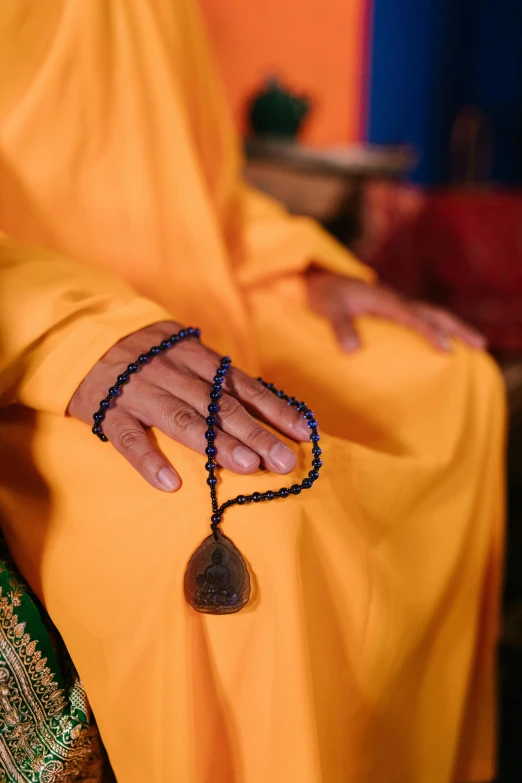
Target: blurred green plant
{"points": [[276, 112]]}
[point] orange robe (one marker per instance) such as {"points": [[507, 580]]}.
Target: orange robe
{"points": [[367, 652]]}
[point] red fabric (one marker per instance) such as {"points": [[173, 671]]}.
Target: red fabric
{"points": [[389, 241], [462, 249], [470, 244]]}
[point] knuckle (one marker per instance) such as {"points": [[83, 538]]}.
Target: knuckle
{"points": [[260, 439], [230, 407], [162, 364], [182, 418], [128, 438], [256, 392]]}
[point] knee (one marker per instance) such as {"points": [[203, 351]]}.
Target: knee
{"points": [[488, 373], [488, 382]]}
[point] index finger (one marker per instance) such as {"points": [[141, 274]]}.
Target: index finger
{"points": [[265, 405]]}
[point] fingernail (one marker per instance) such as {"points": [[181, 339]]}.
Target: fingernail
{"points": [[282, 456], [350, 343], [168, 480], [302, 429], [244, 458]]}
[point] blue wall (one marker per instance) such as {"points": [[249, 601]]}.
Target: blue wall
{"points": [[429, 58]]}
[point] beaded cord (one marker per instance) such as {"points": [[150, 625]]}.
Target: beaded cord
{"points": [[211, 451], [124, 378], [211, 420]]}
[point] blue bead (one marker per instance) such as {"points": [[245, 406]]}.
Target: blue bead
{"points": [[104, 438], [226, 360], [217, 380], [123, 378], [300, 407], [317, 451], [212, 481], [291, 401], [213, 407], [132, 368], [220, 372], [143, 358], [211, 451], [155, 350], [165, 345], [97, 429], [241, 500], [295, 489], [270, 495], [182, 334], [216, 519], [314, 437], [210, 466], [307, 483], [191, 331], [210, 435], [317, 463], [211, 420], [256, 497], [99, 416], [215, 394], [312, 423], [197, 332], [271, 387], [104, 404], [283, 492], [314, 474], [174, 338], [114, 391], [309, 415]]}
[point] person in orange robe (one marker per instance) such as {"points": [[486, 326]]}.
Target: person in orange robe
{"points": [[366, 652]]}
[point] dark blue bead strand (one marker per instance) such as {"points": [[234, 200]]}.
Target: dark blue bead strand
{"points": [[256, 497], [211, 420], [124, 377], [210, 435]]}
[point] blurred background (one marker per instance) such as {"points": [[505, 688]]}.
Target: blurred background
{"points": [[398, 125]]}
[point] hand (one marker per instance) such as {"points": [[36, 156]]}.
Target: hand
{"points": [[342, 299], [172, 394]]}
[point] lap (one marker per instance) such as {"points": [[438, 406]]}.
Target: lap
{"points": [[354, 571], [397, 394]]}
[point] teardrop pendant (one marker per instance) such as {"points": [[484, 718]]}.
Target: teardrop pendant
{"points": [[217, 579]]}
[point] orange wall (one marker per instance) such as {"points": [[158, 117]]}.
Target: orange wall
{"points": [[316, 46]]}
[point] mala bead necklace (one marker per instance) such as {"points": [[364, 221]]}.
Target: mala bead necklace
{"points": [[217, 579]]}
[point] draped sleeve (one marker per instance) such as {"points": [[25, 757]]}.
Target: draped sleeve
{"points": [[57, 319], [277, 244]]}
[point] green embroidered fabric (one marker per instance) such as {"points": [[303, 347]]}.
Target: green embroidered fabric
{"points": [[47, 733]]}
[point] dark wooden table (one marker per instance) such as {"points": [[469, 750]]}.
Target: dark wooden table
{"points": [[323, 182]]}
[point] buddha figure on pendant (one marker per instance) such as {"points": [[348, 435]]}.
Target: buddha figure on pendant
{"points": [[214, 584], [217, 579]]}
